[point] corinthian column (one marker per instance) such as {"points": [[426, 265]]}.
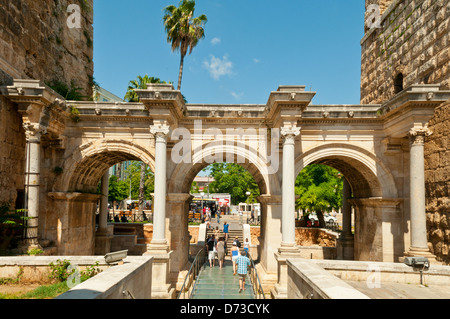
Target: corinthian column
{"points": [[288, 187], [419, 243], [288, 248], [159, 248], [159, 214], [33, 133]]}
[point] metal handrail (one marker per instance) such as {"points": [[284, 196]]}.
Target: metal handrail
{"points": [[197, 264], [256, 283]]}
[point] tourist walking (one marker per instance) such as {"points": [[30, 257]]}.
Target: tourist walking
{"points": [[243, 263], [225, 230], [211, 245], [234, 256], [221, 252], [246, 246], [217, 232]]}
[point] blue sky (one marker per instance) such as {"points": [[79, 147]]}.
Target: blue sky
{"points": [[251, 47]]}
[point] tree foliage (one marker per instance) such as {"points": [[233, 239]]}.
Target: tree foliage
{"points": [[140, 82], [319, 188], [118, 190], [134, 174], [233, 179], [183, 30]]}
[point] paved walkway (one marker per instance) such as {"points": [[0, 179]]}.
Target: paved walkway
{"points": [[216, 283]]}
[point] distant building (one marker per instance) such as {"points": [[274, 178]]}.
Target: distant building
{"points": [[203, 183], [102, 95]]}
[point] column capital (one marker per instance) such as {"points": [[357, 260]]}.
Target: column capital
{"points": [[290, 133], [34, 131], [417, 135], [160, 131]]}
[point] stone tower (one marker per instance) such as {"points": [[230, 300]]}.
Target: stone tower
{"points": [[406, 42], [410, 44], [47, 40]]}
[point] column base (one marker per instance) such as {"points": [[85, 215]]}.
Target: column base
{"points": [[286, 251], [345, 248], [29, 245], [158, 247], [161, 286], [102, 243]]}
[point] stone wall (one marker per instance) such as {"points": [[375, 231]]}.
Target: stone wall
{"points": [[437, 174], [37, 43], [12, 145], [410, 47]]}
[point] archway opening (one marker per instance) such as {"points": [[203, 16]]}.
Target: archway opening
{"points": [[370, 204], [318, 190], [79, 200], [229, 189]]}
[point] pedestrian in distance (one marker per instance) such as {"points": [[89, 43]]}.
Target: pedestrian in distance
{"points": [[238, 243], [225, 230], [234, 256], [246, 246], [243, 263], [217, 232], [221, 252], [212, 247]]}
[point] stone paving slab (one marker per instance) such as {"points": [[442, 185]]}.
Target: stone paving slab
{"points": [[402, 291]]}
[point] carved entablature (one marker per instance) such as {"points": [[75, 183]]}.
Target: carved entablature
{"points": [[394, 145], [158, 98], [42, 109], [288, 102]]}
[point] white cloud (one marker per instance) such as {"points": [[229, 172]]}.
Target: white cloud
{"points": [[256, 60], [218, 67], [237, 96], [215, 41]]}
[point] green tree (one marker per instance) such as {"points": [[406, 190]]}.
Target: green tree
{"points": [[319, 188], [233, 179], [183, 30], [140, 82], [142, 181], [118, 190]]}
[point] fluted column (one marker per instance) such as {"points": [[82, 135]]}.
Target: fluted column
{"points": [[159, 214], [419, 242], [288, 247], [33, 133], [288, 187]]}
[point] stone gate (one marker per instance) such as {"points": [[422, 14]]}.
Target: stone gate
{"points": [[379, 148]]}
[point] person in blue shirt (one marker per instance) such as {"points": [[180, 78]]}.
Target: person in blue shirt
{"points": [[225, 230], [242, 262]]}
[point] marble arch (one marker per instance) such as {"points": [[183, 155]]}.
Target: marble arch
{"points": [[358, 162], [379, 147], [86, 165]]}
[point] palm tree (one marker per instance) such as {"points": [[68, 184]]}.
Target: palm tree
{"points": [[139, 83], [183, 30]]}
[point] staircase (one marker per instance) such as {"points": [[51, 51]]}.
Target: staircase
{"points": [[216, 283], [232, 234]]}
